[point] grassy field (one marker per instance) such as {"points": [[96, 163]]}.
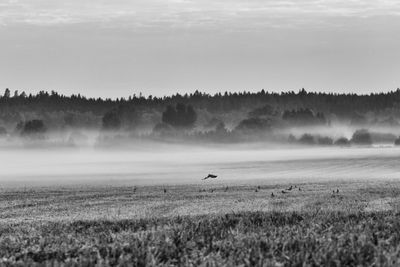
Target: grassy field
{"points": [[208, 225]]}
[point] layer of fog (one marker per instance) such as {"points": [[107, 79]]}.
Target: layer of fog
{"points": [[183, 164]]}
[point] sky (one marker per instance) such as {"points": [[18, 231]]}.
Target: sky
{"points": [[118, 48]]}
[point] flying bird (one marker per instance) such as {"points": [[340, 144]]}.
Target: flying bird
{"points": [[212, 176]]}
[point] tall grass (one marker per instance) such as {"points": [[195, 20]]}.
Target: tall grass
{"points": [[246, 238]]}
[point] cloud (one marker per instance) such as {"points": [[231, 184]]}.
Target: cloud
{"points": [[227, 14]]}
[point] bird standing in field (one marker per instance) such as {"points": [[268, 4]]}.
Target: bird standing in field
{"points": [[272, 194], [212, 176]]}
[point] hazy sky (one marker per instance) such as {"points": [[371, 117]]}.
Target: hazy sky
{"points": [[120, 47]]}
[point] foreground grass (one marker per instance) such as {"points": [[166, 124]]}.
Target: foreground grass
{"points": [[213, 226], [249, 238]]}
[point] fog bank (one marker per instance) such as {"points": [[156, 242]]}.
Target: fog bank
{"points": [[170, 164]]}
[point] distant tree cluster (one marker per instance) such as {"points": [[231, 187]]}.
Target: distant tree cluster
{"points": [[32, 128], [122, 116], [228, 115], [254, 124], [309, 139], [266, 110], [180, 116], [304, 116], [111, 121]]}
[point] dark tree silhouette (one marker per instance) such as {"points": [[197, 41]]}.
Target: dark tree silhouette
{"points": [[266, 110], [111, 121], [7, 93], [127, 115], [397, 141], [254, 124], [88, 111], [33, 128], [303, 116], [181, 116]]}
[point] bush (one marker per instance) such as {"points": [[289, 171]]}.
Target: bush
{"points": [[343, 141], [307, 139], [379, 137], [361, 137], [327, 141], [397, 141]]}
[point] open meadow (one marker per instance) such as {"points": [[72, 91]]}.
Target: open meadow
{"points": [[150, 206], [199, 133], [354, 222]]}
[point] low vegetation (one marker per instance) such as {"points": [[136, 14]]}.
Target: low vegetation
{"points": [[247, 238], [357, 225]]}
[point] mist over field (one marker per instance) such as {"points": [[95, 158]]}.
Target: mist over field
{"points": [[199, 133], [242, 138], [187, 164]]}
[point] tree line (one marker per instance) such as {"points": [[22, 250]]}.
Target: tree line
{"points": [[339, 104]]}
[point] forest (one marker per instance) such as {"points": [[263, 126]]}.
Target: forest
{"points": [[300, 117]]}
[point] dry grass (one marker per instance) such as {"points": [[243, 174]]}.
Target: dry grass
{"points": [[200, 225]]}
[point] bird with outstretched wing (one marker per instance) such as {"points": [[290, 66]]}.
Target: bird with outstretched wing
{"points": [[210, 176]]}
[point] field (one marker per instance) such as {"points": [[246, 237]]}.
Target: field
{"points": [[210, 224]]}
